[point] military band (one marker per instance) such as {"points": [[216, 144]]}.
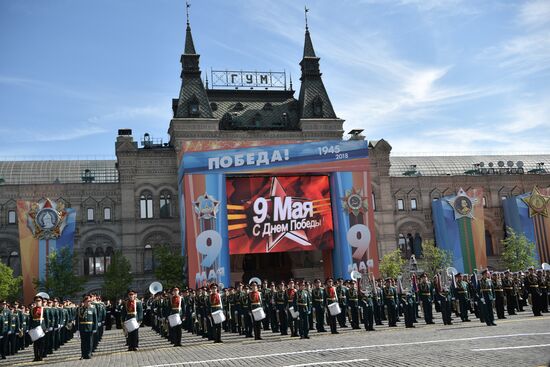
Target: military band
{"points": [[248, 309]]}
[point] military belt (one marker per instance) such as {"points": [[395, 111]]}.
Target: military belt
{"points": [[486, 289], [389, 297], [426, 294], [534, 286], [280, 303], [318, 300], [331, 299], [543, 286], [175, 309], [461, 292], [131, 313], [508, 287], [36, 319], [499, 290], [302, 304], [353, 299], [256, 304], [86, 322]]}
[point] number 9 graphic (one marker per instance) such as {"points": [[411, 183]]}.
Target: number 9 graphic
{"points": [[209, 244], [358, 236]]}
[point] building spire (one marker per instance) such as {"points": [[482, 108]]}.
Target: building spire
{"points": [[193, 101], [308, 45], [313, 100]]}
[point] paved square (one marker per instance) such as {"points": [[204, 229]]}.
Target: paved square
{"points": [[521, 340]]}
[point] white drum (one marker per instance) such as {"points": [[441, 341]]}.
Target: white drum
{"points": [[131, 324], [258, 314], [36, 333], [293, 313], [334, 309], [218, 317], [174, 320]]}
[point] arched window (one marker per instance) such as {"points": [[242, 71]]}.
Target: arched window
{"points": [[89, 261], [193, 106], [165, 205], [13, 262], [107, 214], [317, 107], [90, 214], [11, 217], [108, 257], [146, 205], [148, 258], [99, 261]]}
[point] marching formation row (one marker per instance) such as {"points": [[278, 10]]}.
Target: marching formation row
{"points": [[282, 308], [247, 309]]}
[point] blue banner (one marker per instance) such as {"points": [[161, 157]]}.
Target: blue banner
{"points": [[270, 157]]}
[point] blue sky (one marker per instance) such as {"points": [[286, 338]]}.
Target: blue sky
{"points": [[437, 76]]}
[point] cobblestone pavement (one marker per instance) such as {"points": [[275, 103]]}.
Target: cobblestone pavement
{"points": [[521, 340]]}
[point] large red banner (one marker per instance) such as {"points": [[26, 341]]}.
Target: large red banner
{"points": [[279, 213]]}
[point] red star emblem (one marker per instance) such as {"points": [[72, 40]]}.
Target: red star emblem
{"points": [[298, 236]]}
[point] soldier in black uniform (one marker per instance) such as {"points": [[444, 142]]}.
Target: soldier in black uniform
{"points": [[543, 291], [273, 313], [378, 303], [37, 320], [133, 309], [245, 307], [266, 304], [280, 304], [499, 295], [86, 323], [509, 293], [532, 286], [318, 301]]}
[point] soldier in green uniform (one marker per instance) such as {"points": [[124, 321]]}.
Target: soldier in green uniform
{"points": [[293, 322], [353, 304], [302, 303], [543, 291], [390, 298], [86, 323], [245, 309], [4, 328], [460, 291], [342, 292], [378, 303], [425, 289], [366, 302], [486, 297], [13, 331], [318, 301]]}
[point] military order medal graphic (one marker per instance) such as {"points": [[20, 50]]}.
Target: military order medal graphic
{"points": [[462, 204], [537, 203], [46, 219], [354, 202], [206, 206]]}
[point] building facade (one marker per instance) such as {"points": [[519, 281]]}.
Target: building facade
{"points": [[131, 203]]}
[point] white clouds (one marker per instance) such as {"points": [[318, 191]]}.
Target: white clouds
{"points": [[528, 52], [535, 13]]}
